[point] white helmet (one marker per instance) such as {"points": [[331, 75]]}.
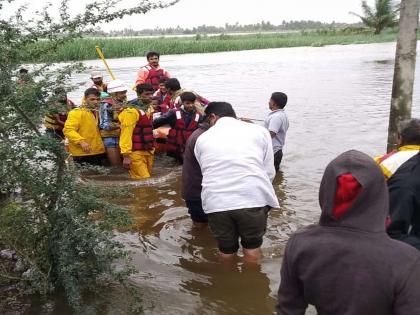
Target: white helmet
{"points": [[116, 86], [96, 74]]}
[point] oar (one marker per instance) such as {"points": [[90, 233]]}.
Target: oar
{"points": [[101, 55]]}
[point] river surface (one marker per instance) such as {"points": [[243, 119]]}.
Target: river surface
{"points": [[339, 98]]}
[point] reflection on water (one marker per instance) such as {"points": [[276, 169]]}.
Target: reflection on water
{"points": [[338, 100]]}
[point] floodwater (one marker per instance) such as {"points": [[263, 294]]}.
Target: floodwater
{"points": [[339, 99]]}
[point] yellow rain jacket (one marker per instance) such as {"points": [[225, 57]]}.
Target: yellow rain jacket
{"points": [[141, 161], [82, 125]]}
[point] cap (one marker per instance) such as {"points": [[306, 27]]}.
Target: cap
{"points": [[96, 74], [116, 86]]}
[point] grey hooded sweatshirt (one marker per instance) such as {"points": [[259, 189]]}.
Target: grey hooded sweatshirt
{"points": [[348, 265]]}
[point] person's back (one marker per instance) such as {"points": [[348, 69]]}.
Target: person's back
{"points": [[347, 264], [235, 151], [404, 192]]}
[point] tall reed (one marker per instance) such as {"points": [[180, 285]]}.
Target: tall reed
{"points": [[84, 49]]}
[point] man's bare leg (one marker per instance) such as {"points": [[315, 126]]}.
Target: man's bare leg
{"points": [[226, 258], [114, 156], [252, 255]]}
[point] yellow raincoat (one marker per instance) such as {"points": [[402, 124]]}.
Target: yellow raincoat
{"points": [[82, 125], [141, 161]]}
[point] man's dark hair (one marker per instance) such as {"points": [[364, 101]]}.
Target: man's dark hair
{"points": [[92, 91], [23, 70], [144, 87], [221, 109], [163, 80], [173, 84], [409, 131], [280, 99], [152, 54], [188, 96]]}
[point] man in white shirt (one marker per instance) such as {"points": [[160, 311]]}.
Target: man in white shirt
{"points": [[277, 124], [236, 160]]}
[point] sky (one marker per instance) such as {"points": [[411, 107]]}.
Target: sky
{"points": [[190, 13]]}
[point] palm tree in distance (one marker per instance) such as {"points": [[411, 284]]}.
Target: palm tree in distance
{"points": [[383, 14]]}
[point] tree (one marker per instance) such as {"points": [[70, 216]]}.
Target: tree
{"points": [[46, 211], [383, 14], [404, 71]]}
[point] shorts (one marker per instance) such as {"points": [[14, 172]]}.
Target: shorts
{"points": [[278, 156], [56, 134], [195, 209], [247, 224], [111, 142]]}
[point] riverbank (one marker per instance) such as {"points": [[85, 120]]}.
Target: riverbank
{"points": [[84, 49]]}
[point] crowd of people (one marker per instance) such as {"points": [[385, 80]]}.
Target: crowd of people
{"points": [[361, 258]]}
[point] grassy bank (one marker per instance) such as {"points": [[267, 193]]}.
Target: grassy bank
{"points": [[84, 49]]}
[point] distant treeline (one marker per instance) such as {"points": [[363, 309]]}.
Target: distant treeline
{"points": [[228, 28]]}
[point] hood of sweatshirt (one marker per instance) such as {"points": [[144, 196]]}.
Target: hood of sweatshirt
{"points": [[353, 193]]}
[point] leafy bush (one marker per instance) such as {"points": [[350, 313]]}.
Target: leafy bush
{"points": [[46, 212]]}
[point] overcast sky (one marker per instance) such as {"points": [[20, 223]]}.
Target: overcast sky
{"points": [[190, 13]]}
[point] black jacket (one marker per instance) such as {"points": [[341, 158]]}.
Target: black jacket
{"points": [[191, 171], [404, 198]]}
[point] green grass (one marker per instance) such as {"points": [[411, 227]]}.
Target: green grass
{"points": [[84, 49]]}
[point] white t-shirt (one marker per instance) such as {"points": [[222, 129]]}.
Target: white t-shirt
{"points": [[237, 162]]}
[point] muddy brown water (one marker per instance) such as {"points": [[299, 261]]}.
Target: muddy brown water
{"points": [[338, 100]]}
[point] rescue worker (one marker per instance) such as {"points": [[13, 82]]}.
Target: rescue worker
{"points": [[55, 119], [347, 264], [24, 77], [174, 89], [97, 79], [82, 131], [108, 120], [162, 93], [136, 140], [183, 121], [152, 72], [155, 104], [402, 171]]}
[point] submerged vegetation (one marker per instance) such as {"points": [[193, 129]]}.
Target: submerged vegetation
{"points": [[84, 48]]}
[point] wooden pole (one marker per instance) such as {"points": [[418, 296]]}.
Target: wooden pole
{"points": [[405, 65]]}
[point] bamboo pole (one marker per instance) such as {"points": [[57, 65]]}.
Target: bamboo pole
{"points": [[101, 55]]}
